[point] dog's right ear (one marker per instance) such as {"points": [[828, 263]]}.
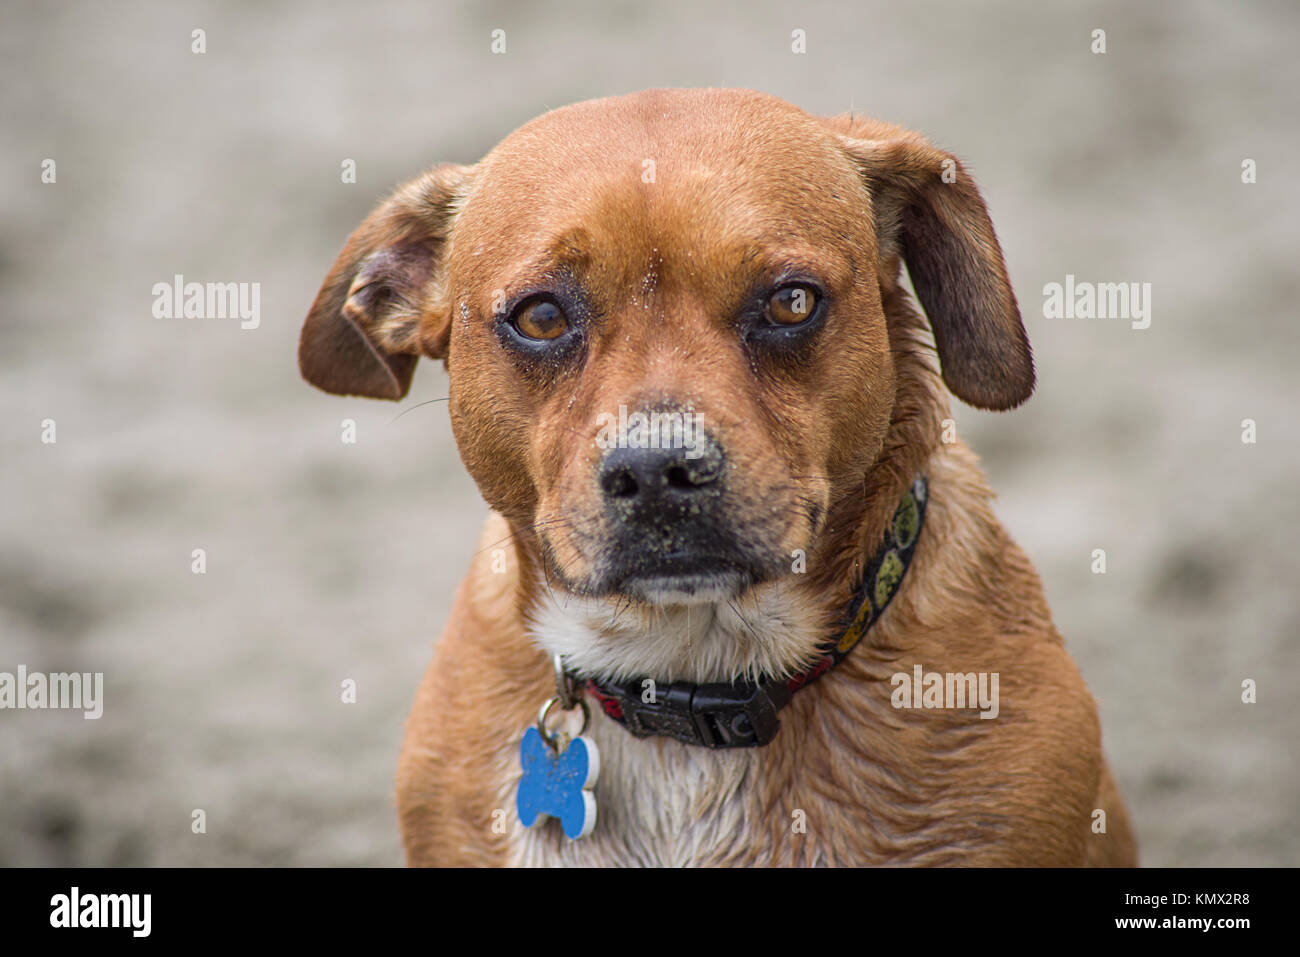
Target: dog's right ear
{"points": [[374, 314]]}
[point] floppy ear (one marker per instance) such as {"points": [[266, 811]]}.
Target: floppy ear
{"points": [[928, 210], [376, 311]]}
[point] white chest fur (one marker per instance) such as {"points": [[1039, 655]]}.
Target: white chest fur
{"points": [[659, 803]]}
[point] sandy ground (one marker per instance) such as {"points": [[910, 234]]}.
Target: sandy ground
{"points": [[328, 562]]}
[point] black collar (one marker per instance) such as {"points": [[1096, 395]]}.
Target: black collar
{"points": [[744, 714]]}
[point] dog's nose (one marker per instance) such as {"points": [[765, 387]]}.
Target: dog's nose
{"points": [[647, 477]]}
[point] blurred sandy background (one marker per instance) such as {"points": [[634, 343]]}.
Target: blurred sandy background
{"points": [[329, 561]]}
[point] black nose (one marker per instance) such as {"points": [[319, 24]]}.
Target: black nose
{"points": [[660, 480]]}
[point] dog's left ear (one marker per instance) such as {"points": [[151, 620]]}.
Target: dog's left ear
{"points": [[928, 210], [371, 319]]}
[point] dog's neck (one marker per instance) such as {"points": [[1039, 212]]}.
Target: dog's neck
{"points": [[859, 513], [776, 628]]}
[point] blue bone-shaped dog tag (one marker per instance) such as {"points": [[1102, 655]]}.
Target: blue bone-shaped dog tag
{"points": [[558, 785]]}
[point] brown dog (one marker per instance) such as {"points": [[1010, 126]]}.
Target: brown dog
{"points": [[726, 268]]}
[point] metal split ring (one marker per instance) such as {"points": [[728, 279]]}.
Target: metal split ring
{"points": [[553, 737]]}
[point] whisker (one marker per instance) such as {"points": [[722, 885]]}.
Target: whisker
{"points": [[514, 536], [731, 603], [417, 405]]}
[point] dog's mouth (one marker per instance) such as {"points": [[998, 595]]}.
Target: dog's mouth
{"points": [[671, 572], [686, 577]]}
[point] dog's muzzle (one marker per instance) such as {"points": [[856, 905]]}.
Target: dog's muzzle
{"points": [[666, 509]]}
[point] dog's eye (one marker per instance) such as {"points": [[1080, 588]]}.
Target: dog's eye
{"points": [[792, 304], [541, 319]]}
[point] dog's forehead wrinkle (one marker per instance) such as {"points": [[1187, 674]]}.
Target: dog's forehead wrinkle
{"points": [[681, 243], [697, 219]]}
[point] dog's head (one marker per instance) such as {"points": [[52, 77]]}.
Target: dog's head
{"points": [[662, 319]]}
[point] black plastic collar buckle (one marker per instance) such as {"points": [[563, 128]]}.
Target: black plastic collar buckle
{"points": [[743, 715]]}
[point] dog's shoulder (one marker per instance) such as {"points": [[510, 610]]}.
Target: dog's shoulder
{"points": [[483, 665]]}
